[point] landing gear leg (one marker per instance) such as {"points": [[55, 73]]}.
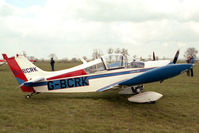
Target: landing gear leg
{"points": [[32, 94], [138, 89]]}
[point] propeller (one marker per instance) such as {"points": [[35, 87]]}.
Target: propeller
{"points": [[174, 60], [176, 57], [153, 56], [190, 71], [190, 60]]}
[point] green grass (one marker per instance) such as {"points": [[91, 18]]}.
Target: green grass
{"points": [[106, 112]]}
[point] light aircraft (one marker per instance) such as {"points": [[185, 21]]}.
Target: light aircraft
{"points": [[106, 73]]}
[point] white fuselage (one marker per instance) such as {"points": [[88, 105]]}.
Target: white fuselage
{"points": [[100, 80], [96, 82]]}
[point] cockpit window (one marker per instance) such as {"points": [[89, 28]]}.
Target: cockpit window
{"points": [[108, 62], [95, 68], [136, 64], [113, 61]]}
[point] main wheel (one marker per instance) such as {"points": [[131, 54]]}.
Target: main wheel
{"points": [[152, 102], [28, 96], [140, 90], [137, 90]]}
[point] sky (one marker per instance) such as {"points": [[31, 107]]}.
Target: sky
{"points": [[74, 28]]}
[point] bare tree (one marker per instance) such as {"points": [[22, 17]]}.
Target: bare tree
{"points": [[149, 57], [190, 52], [110, 51], [84, 57], [74, 59], [134, 56], [53, 55], [118, 51], [66, 60], [97, 53], [156, 58], [124, 52]]}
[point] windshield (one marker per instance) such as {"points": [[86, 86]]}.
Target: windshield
{"points": [[113, 61]]}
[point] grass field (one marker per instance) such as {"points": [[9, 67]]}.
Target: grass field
{"points": [[106, 112]]}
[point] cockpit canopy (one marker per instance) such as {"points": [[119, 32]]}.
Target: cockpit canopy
{"points": [[107, 62], [111, 62]]}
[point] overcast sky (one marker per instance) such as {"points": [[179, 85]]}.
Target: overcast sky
{"points": [[72, 28]]}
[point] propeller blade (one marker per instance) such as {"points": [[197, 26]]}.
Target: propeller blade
{"points": [[153, 56], [190, 71], [176, 57]]}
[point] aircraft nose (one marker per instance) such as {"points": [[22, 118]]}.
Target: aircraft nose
{"points": [[185, 67]]}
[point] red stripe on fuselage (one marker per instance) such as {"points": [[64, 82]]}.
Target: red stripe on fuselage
{"points": [[70, 74], [18, 73]]}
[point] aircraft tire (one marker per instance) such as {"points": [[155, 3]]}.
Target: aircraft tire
{"points": [[28, 96], [152, 102]]}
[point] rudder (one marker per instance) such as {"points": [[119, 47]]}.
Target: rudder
{"points": [[23, 70]]}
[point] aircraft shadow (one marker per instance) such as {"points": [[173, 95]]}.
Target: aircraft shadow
{"points": [[112, 97], [109, 96]]}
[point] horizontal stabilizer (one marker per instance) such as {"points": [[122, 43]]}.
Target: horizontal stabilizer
{"points": [[30, 82]]}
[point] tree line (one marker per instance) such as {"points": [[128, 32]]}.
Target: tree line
{"points": [[97, 53]]}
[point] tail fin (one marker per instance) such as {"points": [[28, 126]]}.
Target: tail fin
{"points": [[23, 70]]}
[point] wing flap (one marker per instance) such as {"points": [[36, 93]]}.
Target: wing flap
{"points": [[112, 86]]}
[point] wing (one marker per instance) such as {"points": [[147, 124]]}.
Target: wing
{"points": [[156, 74]]}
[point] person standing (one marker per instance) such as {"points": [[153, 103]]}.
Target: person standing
{"points": [[188, 61], [52, 63], [191, 60]]}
